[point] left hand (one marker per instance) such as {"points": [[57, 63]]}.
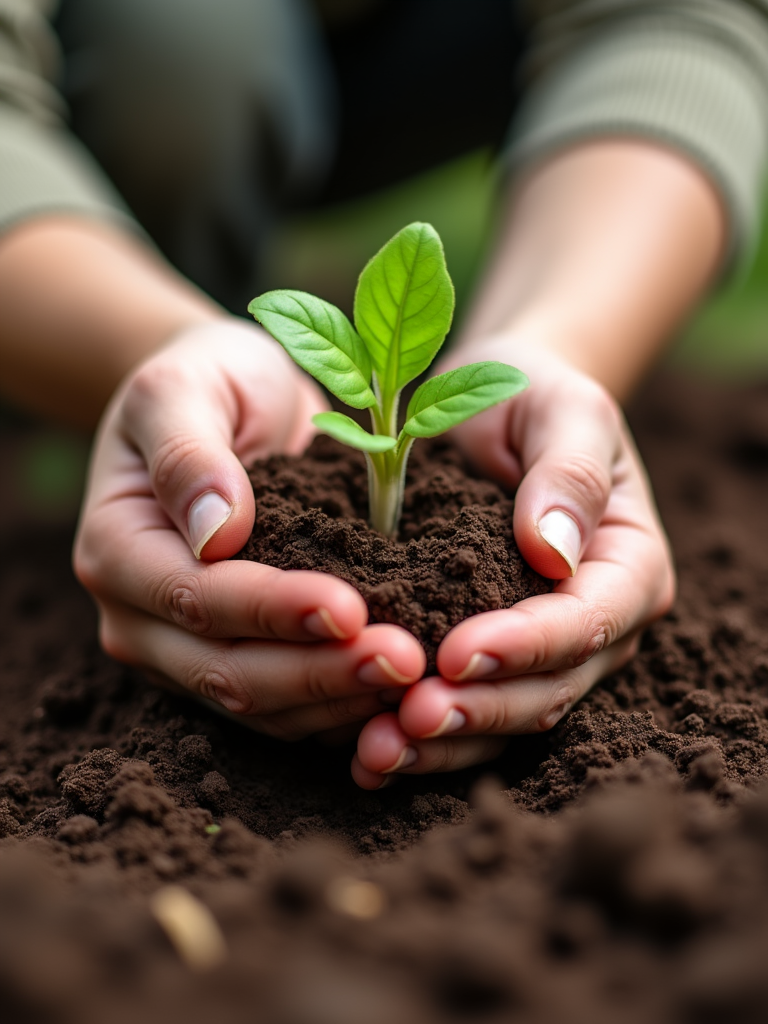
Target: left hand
{"points": [[565, 446], [169, 502]]}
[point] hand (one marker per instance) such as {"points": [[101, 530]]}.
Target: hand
{"points": [[584, 515], [169, 501]]}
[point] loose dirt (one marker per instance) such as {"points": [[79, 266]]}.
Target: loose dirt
{"points": [[615, 869], [454, 556]]}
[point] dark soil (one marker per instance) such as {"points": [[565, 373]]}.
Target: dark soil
{"points": [[455, 554], [615, 870]]}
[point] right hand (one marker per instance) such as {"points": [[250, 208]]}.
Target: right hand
{"points": [[168, 503], [564, 446]]}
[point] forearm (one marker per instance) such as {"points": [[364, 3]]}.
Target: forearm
{"points": [[601, 253], [82, 303]]}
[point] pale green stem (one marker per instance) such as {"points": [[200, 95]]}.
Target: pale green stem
{"points": [[386, 482], [384, 413]]}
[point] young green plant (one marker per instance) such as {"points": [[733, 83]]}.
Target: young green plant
{"points": [[403, 309]]}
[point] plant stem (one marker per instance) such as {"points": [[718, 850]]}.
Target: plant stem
{"points": [[386, 482]]}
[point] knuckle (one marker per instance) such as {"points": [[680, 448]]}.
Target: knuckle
{"points": [[604, 628], [88, 561], [187, 606], [442, 756], [261, 609], [499, 721], [173, 464], [224, 685], [601, 404], [317, 678], [152, 380], [588, 478], [566, 692], [541, 639]]}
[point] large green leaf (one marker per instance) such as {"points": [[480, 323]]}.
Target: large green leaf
{"points": [[404, 306], [442, 402], [321, 340], [344, 429]]}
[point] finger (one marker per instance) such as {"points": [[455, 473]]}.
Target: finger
{"points": [[383, 750], [626, 582], [335, 723], [185, 415], [152, 569], [570, 455], [436, 707], [263, 677]]}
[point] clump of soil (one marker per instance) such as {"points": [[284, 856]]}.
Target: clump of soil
{"points": [[614, 869], [455, 555]]}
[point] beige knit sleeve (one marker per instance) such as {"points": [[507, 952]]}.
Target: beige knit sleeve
{"points": [[43, 167], [690, 74]]}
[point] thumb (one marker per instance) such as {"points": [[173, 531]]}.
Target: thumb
{"points": [[569, 450], [182, 419]]}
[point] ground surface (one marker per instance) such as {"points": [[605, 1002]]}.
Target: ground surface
{"points": [[614, 870]]}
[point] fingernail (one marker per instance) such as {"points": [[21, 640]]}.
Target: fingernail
{"points": [[207, 514], [320, 623], [551, 718], [562, 533], [452, 721], [379, 672], [388, 780], [479, 666], [408, 757]]}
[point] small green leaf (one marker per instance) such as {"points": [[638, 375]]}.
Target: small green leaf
{"points": [[442, 402], [344, 429], [321, 340], [404, 306], [212, 830]]}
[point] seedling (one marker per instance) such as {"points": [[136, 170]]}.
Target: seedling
{"points": [[403, 309]]}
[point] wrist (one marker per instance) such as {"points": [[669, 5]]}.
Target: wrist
{"points": [[604, 349], [83, 303]]}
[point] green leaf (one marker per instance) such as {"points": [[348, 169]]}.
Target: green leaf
{"points": [[321, 340], [404, 306], [451, 398], [344, 429]]}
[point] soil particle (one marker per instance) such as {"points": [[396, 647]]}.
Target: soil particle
{"points": [[614, 869]]}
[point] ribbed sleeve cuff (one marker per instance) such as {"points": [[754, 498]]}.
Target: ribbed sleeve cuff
{"points": [[680, 88], [44, 170]]}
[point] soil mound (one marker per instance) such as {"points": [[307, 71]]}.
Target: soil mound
{"points": [[455, 555], [615, 869]]}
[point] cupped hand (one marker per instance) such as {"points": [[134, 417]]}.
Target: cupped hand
{"points": [[168, 502], [584, 516]]}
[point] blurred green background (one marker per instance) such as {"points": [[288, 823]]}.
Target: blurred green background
{"points": [[323, 252]]}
